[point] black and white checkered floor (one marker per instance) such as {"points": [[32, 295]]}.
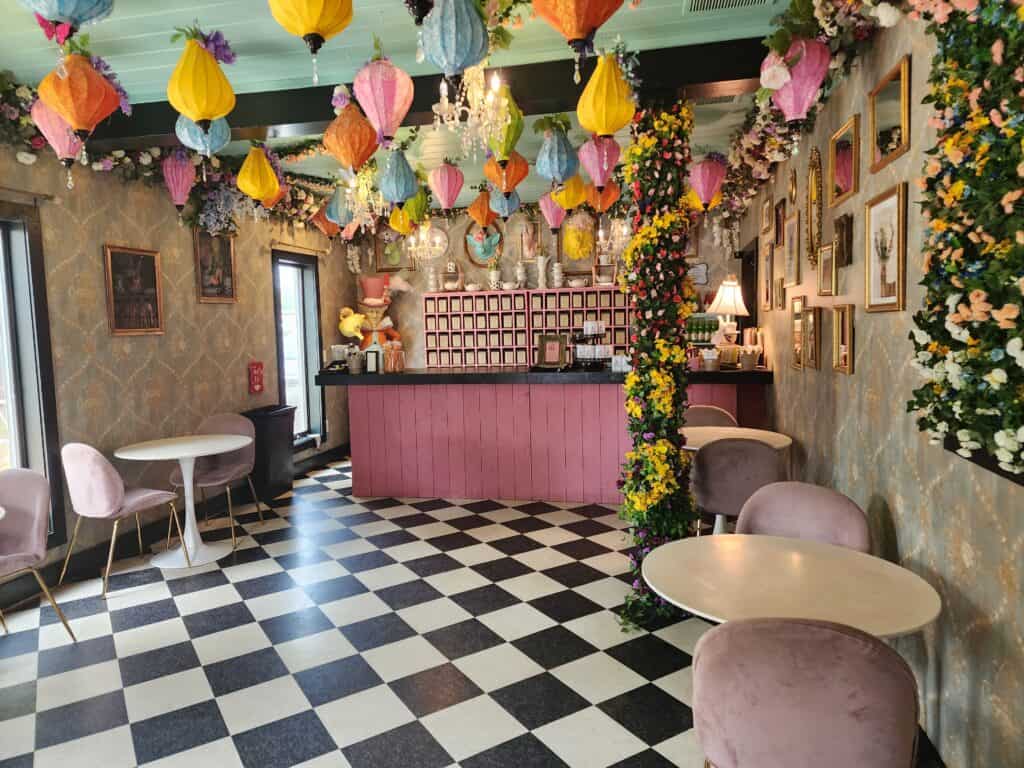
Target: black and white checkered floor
{"points": [[368, 633]]}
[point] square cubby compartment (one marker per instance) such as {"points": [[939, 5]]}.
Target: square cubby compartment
{"points": [[431, 340], [520, 338], [506, 303], [537, 319], [444, 340], [446, 358], [480, 303], [430, 306], [481, 321], [508, 357], [507, 321], [455, 303], [550, 300], [494, 338], [507, 338], [432, 359], [493, 304], [606, 316], [577, 300], [564, 300], [481, 338], [620, 317], [551, 320], [468, 323], [443, 322], [470, 357], [563, 319], [620, 299], [456, 339], [442, 306], [431, 323], [606, 298], [620, 335], [591, 299], [493, 321], [577, 320], [494, 357], [457, 358], [520, 357], [520, 319], [520, 302], [537, 301]]}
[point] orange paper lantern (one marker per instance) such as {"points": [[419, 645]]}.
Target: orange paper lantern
{"points": [[270, 202], [577, 21], [321, 222], [605, 199], [511, 176], [350, 138], [480, 210], [84, 98]]}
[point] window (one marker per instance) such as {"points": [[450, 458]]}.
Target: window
{"points": [[297, 310], [28, 423]]}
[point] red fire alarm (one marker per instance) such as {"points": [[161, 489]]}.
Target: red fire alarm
{"points": [[255, 378]]}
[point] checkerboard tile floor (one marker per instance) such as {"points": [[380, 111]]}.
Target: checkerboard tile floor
{"points": [[359, 633]]}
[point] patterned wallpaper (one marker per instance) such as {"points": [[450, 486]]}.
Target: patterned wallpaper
{"points": [[957, 525], [113, 391]]}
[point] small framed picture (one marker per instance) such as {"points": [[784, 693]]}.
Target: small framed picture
{"points": [[885, 225], [766, 273], [780, 222], [796, 324], [390, 253], [551, 351], [134, 294], [792, 249], [780, 293], [844, 240], [827, 275], [842, 338], [812, 337], [215, 268], [767, 217]]}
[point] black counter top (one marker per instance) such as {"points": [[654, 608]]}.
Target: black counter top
{"points": [[522, 375]]}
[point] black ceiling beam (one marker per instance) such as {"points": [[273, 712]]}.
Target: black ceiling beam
{"points": [[539, 89]]}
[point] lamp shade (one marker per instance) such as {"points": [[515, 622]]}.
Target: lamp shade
{"points": [[556, 160], [729, 299], [808, 64], [207, 142], [553, 213], [83, 97], [256, 178], [350, 138], [577, 20], [599, 157], [603, 199], [328, 228], [385, 93], [504, 143], [606, 105], [572, 194], [505, 205], [417, 206], [480, 210], [315, 21], [397, 180], [57, 132], [510, 176], [337, 210], [706, 178], [446, 183], [454, 36], [198, 88], [179, 176]]}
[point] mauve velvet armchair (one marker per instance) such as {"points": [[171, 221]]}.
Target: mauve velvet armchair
{"points": [[727, 472], [805, 511], [708, 416], [25, 497], [795, 693]]}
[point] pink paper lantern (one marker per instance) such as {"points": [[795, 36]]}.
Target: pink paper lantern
{"points": [[179, 176], [385, 93], [554, 214], [808, 64], [58, 134], [706, 177], [599, 157], [446, 182], [844, 166]]}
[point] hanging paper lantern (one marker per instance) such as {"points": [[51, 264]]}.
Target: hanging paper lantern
{"points": [[556, 160], [351, 139], [400, 222], [315, 21], [417, 206], [83, 97], [505, 205], [807, 61], [510, 176], [480, 210], [397, 180], [572, 194], [58, 134], [446, 183], [61, 19], [270, 202], [337, 210], [419, 9], [599, 157], [454, 36], [554, 214], [328, 228], [503, 144], [256, 177], [577, 21], [198, 88], [706, 178], [179, 176], [385, 93], [208, 142], [603, 199], [606, 105]]}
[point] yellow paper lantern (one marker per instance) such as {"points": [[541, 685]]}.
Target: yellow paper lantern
{"points": [[198, 88], [315, 21], [606, 105], [400, 221], [572, 194], [256, 177]]}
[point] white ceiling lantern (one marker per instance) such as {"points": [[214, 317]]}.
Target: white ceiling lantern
{"points": [[435, 144]]}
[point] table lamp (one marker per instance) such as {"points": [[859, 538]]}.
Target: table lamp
{"points": [[729, 303]]}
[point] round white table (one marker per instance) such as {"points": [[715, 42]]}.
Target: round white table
{"points": [[185, 450], [698, 437], [3, 512]]}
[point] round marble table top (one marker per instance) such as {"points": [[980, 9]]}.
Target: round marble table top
{"points": [[3, 513], [730, 577], [698, 437], [189, 447]]}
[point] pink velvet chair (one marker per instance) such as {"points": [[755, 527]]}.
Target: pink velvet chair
{"points": [[787, 693], [727, 472], [708, 416], [25, 497], [805, 511], [227, 468], [97, 491]]}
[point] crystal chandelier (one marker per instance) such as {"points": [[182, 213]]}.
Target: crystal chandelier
{"points": [[366, 203], [477, 113], [426, 244], [613, 238]]}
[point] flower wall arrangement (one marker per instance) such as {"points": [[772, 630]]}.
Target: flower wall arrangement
{"points": [[969, 339], [655, 477]]}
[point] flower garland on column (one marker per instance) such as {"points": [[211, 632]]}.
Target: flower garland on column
{"points": [[655, 477]]}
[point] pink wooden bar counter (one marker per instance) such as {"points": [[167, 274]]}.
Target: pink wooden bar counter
{"points": [[507, 433]]}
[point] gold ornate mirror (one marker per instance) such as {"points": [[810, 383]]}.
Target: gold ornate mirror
{"points": [[844, 162], [889, 116], [814, 203]]}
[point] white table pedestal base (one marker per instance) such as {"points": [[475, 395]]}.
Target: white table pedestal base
{"points": [[204, 554]]}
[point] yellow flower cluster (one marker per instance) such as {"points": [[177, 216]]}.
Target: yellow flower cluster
{"points": [[664, 391], [659, 480], [649, 235], [670, 353]]}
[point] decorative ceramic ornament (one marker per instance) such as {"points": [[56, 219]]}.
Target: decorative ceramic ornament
{"points": [[506, 178], [59, 135], [446, 183], [385, 93], [706, 178], [315, 21], [82, 97], [351, 139], [599, 157], [257, 178], [208, 142], [397, 180], [454, 36], [577, 21], [179, 176], [606, 105], [554, 214]]}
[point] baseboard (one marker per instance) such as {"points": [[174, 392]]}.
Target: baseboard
{"points": [[322, 459]]}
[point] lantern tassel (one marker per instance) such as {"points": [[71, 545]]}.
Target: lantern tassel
{"points": [[314, 42], [71, 179]]}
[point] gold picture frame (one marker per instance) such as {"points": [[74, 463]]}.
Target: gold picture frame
{"points": [[791, 249], [792, 191], [885, 143], [842, 338], [828, 275], [812, 337], [134, 291], [885, 246], [796, 326], [813, 207], [551, 351], [216, 273], [766, 270], [844, 162], [780, 293], [767, 217]]}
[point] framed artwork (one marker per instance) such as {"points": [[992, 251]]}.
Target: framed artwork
{"points": [[767, 219], [814, 205], [827, 275], [483, 244], [812, 337], [842, 338], [551, 351], [791, 249], [134, 296], [766, 271], [780, 293], [796, 324], [698, 273], [843, 237], [693, 244], [885, 242], [390, 253], [889, 116], [844, 162], [529, 241], [780, 222], [215, 268]]}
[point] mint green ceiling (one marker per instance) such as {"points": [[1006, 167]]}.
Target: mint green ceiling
{"points": [[136, 39]]}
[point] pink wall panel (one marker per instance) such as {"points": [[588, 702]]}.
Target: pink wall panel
{"points": [[471, 428], [590, 399], [378, 440], [573, 445], [522, 486], [392, 441], [456, 440], [540, 440], [557, 480], [424, 443], [611, 416], [504, 467], [439, 429], [359, 426], [489, 440]]}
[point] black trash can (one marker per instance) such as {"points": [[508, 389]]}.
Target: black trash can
{"points": [[275, 468]]}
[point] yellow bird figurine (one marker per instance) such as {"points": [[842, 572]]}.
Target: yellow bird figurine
{"points": [[351, 323]]}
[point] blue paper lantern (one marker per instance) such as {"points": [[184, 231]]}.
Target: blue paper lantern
{"points": [[397, 181], [557, 160], [504, 206], [454, 36], [337, 209], [205, 142], [73, 12]]}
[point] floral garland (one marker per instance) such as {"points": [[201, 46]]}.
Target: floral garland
{"points": [[969, 339], [655, 476]]}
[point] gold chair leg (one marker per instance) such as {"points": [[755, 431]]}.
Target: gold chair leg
{"points": [[56, 608], [181, 536], [169, 523], [252, 489], [231, 519], [71, 548], [3, 623], [110, 559], [138, 531]]}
